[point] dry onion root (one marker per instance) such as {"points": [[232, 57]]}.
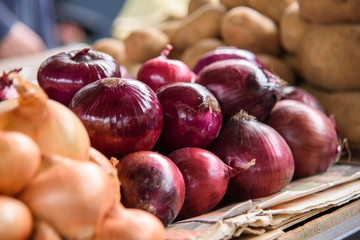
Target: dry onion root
{"points": [[15, 219], [53, 126], [72, 196], [20, 159]]}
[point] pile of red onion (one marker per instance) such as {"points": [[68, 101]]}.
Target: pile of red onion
{"points": [[228, 129], [121, 115], [192, 116]]}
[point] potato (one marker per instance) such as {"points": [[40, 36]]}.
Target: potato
{"points": [[193, 53], [292, 28], [233, 3], [291, 60], [246, 28], [204, 22], [273, 9], [330, 11], [111, 46], [346, 108], [168, 27], [145, 43], [279, 67], [195, 4], [329, 57]]}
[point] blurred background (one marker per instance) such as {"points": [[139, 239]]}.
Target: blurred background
{"points": [[30, 26]]}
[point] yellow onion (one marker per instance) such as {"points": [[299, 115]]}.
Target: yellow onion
{"points": [[55, 128], [106, 164], [16, 222], [109, 166], [72, 196], [43, 231], [20, 159], [130, 224]]}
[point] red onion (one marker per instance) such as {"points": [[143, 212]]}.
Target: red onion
{"points": [[192, 116], [312, 136], [239, 84], [121, 115], [206, 178], [63, 74], [7, 90], [244, 138], [299, 94], [160, 71], [222, 53], [152, 182], [228, 52]]}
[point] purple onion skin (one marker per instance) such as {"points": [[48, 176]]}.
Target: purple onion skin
{"points": [[312, 136], [63, 74], [243, 139], [121, 115], [160, 71], [299, 94], [7, 90], [206, 178], [152, 182], [223, 53], [240, 85], [192, 116]]}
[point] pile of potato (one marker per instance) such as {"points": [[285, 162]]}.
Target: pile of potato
{"points": [[314, 44], [328, 57]]}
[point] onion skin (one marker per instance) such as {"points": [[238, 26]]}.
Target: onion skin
{"points": [[43, 231], [192, 116], [223, 53], [20, 160], [97, 157], [243, 138], [16, 221], [63, 74], [72, 196], [121, 115], [160, 71], [130, 224], [312, 136], [206, 178], [299, 94], [108, 166], [7, 91], [239, 84], [152, 182]]}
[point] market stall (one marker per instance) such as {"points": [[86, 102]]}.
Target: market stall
{"points": [[230, 120]]}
